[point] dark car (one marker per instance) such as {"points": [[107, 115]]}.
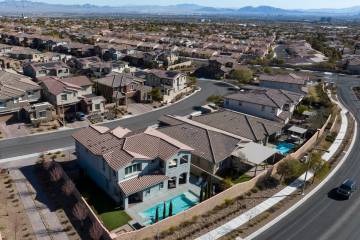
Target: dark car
{"points": [[70, 118], [346, 188], [80, 116]]}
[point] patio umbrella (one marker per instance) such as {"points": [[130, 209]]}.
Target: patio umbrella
{"points": [[164, 210], [157, 214], [170, 209]]}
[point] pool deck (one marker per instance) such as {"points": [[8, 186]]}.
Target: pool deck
{"points": [[134, 210]]}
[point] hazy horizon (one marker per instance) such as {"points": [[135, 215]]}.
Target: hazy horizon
{"points": [[304, 4]]}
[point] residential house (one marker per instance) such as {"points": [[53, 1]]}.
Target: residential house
{"points": [[37, 70], [272, 104], [256, 129], [130, 166], [37, 113], [289, 82], [66, 94], [170, 83], [215, 150], [16, 91], [353, 65], [92, 66], [123, 87]]}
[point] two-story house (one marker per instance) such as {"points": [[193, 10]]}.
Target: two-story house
{"points": [[170, 83], [122, 87], [67, 93], [272, 104], [15, 91], [132, 166], [37, 70]]}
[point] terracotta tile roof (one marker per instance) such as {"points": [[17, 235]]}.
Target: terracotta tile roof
{"points": [[211, 145], [15, 85], [140, 183], [266, 96], [120, 147], [285, 78], [57, 85], [247, 126]]}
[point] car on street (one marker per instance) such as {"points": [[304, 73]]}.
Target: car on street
{"points": [[347, 188]]}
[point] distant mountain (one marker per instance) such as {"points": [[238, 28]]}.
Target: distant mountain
{"points": [[15, 7], [266, 10]]}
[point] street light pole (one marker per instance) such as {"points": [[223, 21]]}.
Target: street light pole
{"points": [[306, 173]]}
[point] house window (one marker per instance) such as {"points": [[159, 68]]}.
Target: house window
{"points": [[273, 110], [30, 94], [63, 97], [97, 106], [2, 104], [240, 103], [114, 173], [184, 159], [133, 169], [262, 108], [173, 163], [42, 114]]}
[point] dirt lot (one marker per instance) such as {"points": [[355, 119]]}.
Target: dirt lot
{"points": [[14, 222]]}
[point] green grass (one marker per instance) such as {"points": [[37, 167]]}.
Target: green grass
{"points": [[242, 178], [108, 211]]}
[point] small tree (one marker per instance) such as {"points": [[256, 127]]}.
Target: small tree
{"points": [[96, 231], [156, 94], [289, 169], [217, 99], [242, 75], [170, 209], [192, 81], [80, 212], [68, 188]]}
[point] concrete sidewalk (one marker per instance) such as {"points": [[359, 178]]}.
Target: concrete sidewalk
{"points": [[276, 198]]}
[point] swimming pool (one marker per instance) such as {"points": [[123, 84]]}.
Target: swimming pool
{"points": [[284, 147], [180, 203]]}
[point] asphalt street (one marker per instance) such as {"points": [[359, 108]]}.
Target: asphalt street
{"points": [[60, 139], [322, 217]]}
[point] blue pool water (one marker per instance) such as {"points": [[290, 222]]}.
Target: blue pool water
{"points": [[284, 147], [180, 203]]}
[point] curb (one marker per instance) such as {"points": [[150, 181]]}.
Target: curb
{"points": [[311, 193], [63, 129]]}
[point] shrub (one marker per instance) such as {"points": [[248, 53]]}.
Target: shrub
{"points": [[268, 183]]}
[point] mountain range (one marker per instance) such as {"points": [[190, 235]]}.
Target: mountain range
{"points": [[31, 7]]}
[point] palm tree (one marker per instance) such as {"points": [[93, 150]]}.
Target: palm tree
{"points": [[201, 193], [157, 214], [170, 209], [164, 210]]}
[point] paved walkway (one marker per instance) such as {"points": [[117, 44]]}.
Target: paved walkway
{"points": [[45, 223], [276, 198]]}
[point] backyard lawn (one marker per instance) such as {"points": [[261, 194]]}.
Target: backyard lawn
{"points": [[111, 214], [240, 179]]}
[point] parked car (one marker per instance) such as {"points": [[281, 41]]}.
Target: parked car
{"points": [[80, 116], [70, 118], [347, 188]]}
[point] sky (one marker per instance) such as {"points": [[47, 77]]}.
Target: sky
{"points": [[288, 4]]}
